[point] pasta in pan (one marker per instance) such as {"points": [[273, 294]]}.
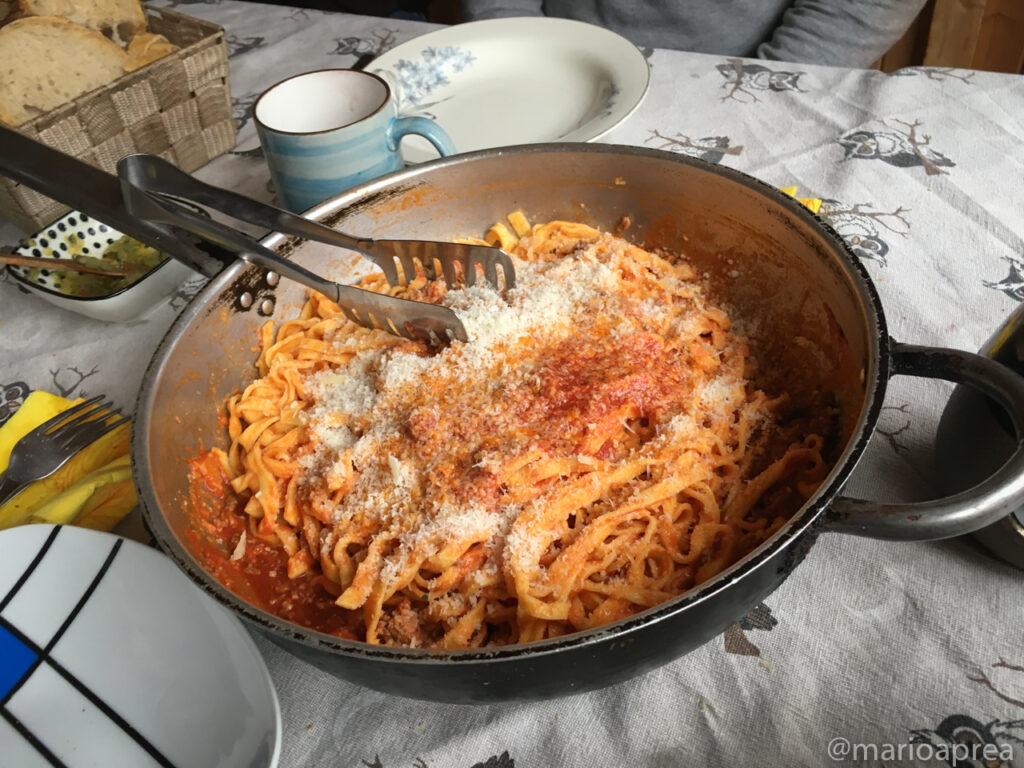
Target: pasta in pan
{"points": [[597, 448]]}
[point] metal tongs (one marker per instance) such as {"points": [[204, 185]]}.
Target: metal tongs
{"points": [[152, 186]]}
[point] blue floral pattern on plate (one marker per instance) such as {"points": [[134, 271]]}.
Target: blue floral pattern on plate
{"points": [[418, 79]]}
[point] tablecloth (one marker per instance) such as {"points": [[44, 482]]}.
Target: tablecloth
{"points": [[872, 652]]}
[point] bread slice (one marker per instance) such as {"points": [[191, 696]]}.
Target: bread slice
{"points": [[46, 61], [147, 47], [120, 20], [7, 11]]}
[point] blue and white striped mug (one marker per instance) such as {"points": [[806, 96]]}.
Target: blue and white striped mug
{"points": [[325, 131]]}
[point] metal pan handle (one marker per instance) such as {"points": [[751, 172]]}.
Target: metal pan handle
{"points": [[990, 500]]}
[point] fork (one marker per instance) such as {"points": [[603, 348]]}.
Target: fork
{"points": [[151, 185], [48, 447]]}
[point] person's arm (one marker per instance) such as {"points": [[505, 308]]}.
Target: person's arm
{"points": [[475, 10], [841, 33]]}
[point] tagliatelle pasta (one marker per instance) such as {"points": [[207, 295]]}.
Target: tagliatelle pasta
{"points": [[597, 447]]}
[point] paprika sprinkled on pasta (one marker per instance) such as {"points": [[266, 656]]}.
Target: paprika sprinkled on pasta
{"points": [[598, 447]]}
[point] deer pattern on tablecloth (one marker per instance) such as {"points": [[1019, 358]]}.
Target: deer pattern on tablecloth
{"points": [[65, 381], [890, 431], [939, 74], [239, 45], [743, 78], [241, 109], [899, 145], [866, 227], [1003, 737], [11, 397], [186, 292], [494, 761], [998, 687], [377, 42], [1013, 284], [958, 735], [735, 638], [710, 148]]}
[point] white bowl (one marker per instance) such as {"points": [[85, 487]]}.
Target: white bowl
{"points": [[94, 236], [109, 656]]}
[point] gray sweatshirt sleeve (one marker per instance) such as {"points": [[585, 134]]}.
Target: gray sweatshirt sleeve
{"points": [[840, 33], [475, 10]]}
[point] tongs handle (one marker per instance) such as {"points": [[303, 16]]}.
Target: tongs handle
{"points": [[402, 317], [149, 206], [98, 194], [154, 174]]}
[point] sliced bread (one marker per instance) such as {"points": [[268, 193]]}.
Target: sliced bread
{"points": [[46, 61], [7, 10], [147, 47], [120, 20]]}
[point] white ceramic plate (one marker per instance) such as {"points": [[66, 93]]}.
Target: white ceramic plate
{"points": [[109, 657], [77, 232], [515, 81]]}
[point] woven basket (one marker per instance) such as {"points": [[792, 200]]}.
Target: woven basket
{"points": [[178, 107]]}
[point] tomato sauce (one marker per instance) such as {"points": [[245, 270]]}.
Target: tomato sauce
{"points": [[260, 575]]}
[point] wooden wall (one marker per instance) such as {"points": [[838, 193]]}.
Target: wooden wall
{"points": [[968, 34]]}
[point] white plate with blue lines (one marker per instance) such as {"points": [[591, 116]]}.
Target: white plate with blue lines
{"points": [[110, 656], [515, 81]]}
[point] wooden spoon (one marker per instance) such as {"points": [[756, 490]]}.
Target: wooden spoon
{"points": [[58, 264]]}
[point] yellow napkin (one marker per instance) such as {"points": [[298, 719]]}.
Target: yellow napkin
{"points": [[93, 489], [813, 203]]}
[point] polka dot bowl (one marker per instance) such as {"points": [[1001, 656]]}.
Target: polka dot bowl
{"points": [[78, 233]]}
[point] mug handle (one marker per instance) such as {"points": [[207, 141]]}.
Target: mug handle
{"points": [[989, 501], [421, 126]]}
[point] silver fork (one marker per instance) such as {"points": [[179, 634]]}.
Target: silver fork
{"points": [[48, 447], [151, 185]]}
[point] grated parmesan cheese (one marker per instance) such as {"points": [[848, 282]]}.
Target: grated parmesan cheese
{"points": [[239, 551], [364, 413]]}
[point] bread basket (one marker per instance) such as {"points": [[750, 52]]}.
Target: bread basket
{"points": [[178, 107]]}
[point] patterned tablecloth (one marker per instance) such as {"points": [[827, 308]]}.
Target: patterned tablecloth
{"points": [[872, 652]]}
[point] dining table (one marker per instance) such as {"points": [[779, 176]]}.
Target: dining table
{"points": [[872, 652]]}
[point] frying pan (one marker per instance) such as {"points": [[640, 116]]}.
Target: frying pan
{"points": [[791, 285]]}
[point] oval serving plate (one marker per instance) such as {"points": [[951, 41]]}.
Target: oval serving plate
{"points": [[515, 81], [110, 656]]}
